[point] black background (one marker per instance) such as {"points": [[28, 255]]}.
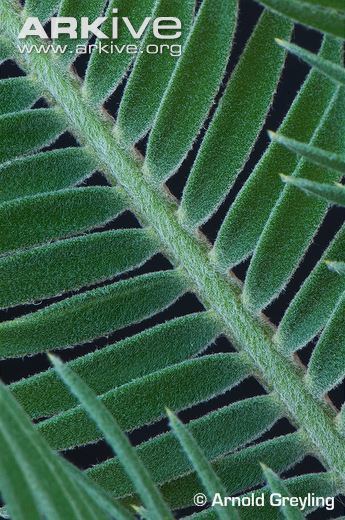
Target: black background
{"points": [[293, 76]]}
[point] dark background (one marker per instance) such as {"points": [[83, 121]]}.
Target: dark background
{"points": [[293, 76]]}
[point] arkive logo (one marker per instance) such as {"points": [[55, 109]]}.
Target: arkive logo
{"points": [[163, 28]]}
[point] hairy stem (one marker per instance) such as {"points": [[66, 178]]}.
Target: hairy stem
{"points": [[248, 332]]}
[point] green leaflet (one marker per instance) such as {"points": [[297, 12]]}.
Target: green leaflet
{"points": [[209, 479], [47, 488], [72, 264], [17, 94], [43, 10], [105, 71], [88, 8], [240, 470], [238, 120], [241, 228], [320, 18], [174, 341], [337, 267], [333, 193], [24, 222], [295, 215], [90, 315], [103, 499], [252, 418], [278, 486], [44, 172], [314, 303], [141, 100], [37, 128], [19, 505], [326, 368], [178, 386], [117, 440], [201, 68], [332, 161], [331, 70]]}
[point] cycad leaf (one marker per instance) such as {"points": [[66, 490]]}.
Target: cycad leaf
{"points": [[47, 487], [295, 213], [24, 221], [107, 424], [103, 499], [238, 120], [209, 479], [141, 100], [72, 264], [201, 67], [337, 267], [174, 341], [278, 486], [333, 193], [239, 471], [83, 8], [331, 70], [17, 94], [178, 386], [326, 368], [321, 18], [241, 228], [332, 161], [43, 10], [312, 306], [90, 315], [105, 71], [252, 418], [19, 505], [44, 172], [37, 128]]}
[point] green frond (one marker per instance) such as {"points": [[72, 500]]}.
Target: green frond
{"points": [[295, 214], [333, 193], [28, 175], [237, 122], [37, 128], [175, 340], [201, 66], [277, 486], [17, 94], [105, 71], [321, 17], [210, 481], [241, 229], [331, 70], [252, 418], [332, 161], [141, 100], [47, 485], [177, 386], [106, 422]]}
